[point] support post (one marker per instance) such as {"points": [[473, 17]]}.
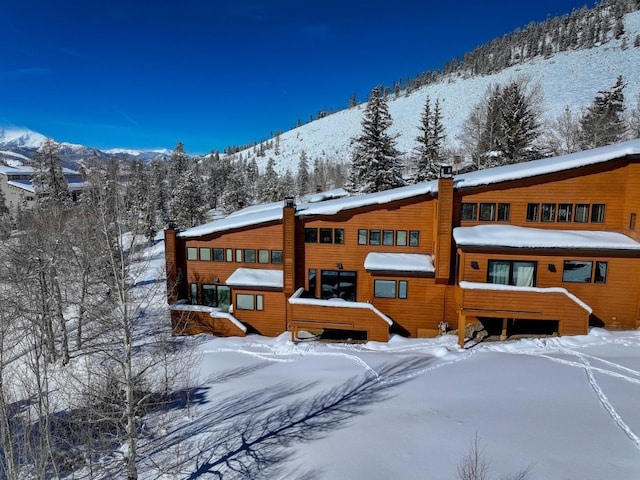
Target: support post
{"points": [[503, 334], [461, 327]]}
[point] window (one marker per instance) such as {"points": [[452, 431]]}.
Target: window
{"points": [[582, 271], [390, 289], [276, 256], [600, 273], [487, 212], [244, 301], [414, 238], [338, 236], [384, 288], [469, 211], [205, 254], [401, 238], [194, 293], [312, 281], [338, 284], [503, 212], [218, 255], [249, 255], [263, 256], [229, 254], [533, 212], [577, 271], [387, 237], [511, 272], [564, 212], [362, 236], [326, 235], [582, 213], [632, 221], [259, 302], [192, 253], [597, 213], [216, 296], [403, 287], [548, 212], [238, 255], [311, 235], [374, 237]]}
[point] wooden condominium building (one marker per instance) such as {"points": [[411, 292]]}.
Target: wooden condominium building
{"points": [[551, 243]]}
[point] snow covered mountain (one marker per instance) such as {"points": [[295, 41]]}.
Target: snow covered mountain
{"points": [[572, 78], [20, 145]]}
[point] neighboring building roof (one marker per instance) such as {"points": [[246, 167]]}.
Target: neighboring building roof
{"points": [[273, 211], [527, 237], [255, 277], [28, 170], [399, 262], [22, 184]]}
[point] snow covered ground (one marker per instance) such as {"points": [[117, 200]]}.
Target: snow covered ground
{"points": [[267, 408]]}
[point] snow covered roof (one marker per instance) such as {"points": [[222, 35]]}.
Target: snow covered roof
{"points": [[255, 277], [215, 312], [399, 262], [513, 288], [22, 184], [28, 170], [548, 165], [526, 237], [273, 211]]}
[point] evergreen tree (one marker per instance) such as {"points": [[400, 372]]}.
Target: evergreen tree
{"points": [[187, 205], [269, 189], [158, 186], [178, 164], [48, 180], [603, 122], [634, 120], [375, 166], [430, 140], [5, 217], [235, 195], [303, 179], [508, 126]]}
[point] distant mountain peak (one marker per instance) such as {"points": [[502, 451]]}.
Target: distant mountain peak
{"points": [[20, 138]]}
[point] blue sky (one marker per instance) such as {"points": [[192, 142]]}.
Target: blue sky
{"points": [[147, 74]]}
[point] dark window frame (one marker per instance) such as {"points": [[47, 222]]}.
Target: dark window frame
{"points": [[469, 212], [504, 212], [597, 212], [533, 212], [325, 235], [310, 235], [487, 212], [363, 236]]}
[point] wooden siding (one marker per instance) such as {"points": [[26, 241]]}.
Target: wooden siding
{"points": [[572, 318], [261, 237], [270, 321], [604, 183], [412, 214], [615, 303], [442, 230], [632, 200], [313, 317], [192, 322]]}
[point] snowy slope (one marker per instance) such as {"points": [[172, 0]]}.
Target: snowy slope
{"points": [[566, 79]]}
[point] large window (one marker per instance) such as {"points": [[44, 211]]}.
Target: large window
{"points": [[533, 212], [583, 271], [548, 212], [216, 296], [218, 255], [374, 237], [276, 256], [338, 284], [512, 272], [205, 254], [192, 253], [263, 256], [390, 289], [249, 255], [362, 236]]}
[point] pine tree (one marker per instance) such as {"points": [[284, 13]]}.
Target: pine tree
{"points": [[5, 217], [508, 125], [603, 122], [430, 140], [158, 186], [48, 180], [269, 187], [235, 195], [187, 205], [178, 164], [634, 120], [375, 166], [303, 179]]}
